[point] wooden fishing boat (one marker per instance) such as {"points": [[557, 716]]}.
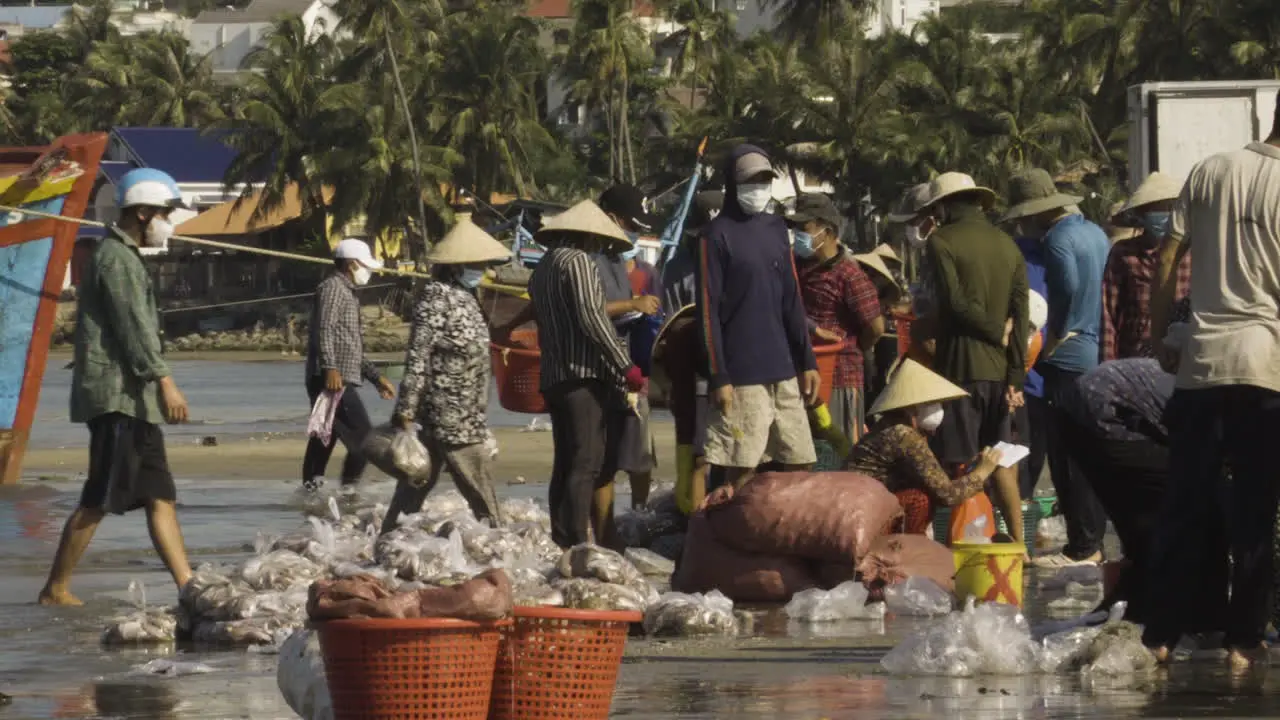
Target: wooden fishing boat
{"points": [[34, 255]]}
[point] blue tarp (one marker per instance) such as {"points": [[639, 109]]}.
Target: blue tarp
{"points": [[187, 154]]}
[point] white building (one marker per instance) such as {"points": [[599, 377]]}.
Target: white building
{"points": [[228, 36], [900, 15]]}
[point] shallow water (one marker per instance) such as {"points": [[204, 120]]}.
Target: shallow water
{"points": [[54, 667]]}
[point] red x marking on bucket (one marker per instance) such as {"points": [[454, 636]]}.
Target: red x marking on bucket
{"points": [[1001, 584]]}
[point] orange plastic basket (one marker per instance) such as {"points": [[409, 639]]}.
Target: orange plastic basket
{"points": [[557, 664], [427, 668], [517, 368], [903, 323], [826, 355]]}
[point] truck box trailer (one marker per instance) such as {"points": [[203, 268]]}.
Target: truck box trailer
{"points": [[1174, 125]]}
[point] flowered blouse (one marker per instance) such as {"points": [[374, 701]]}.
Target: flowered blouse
{"points": [[899, 456], [446, 381]]}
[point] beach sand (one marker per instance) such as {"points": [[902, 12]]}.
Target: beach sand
{"points": [[522, 454]]}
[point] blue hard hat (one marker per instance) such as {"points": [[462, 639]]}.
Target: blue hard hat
{"points": [[148, 187]]}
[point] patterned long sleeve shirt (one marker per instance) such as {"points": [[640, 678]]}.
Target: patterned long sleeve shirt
{"points": [[446, 380], [577, 340], [1127, 285], [336, 339], [899, 456]]}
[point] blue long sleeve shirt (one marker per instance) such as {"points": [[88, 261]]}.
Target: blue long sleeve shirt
{"points": [[1075, 258], [749, 305]]}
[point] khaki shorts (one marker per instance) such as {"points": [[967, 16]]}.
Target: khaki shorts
{"points": [[766, 422]]}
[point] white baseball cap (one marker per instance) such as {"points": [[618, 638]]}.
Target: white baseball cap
{"points": [[358, 250]]}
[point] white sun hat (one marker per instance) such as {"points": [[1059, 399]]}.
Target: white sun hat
{"points": [[950, 184], [467, 244], [913, 384]]}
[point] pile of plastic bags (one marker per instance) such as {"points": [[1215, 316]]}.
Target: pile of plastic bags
{"points": [[995, 639], [680, 615], [263, 599]]}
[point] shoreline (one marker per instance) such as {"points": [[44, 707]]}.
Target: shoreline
{"points": [[65, 353], [524, 457]]}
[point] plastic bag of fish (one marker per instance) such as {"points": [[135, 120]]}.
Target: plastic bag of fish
{"points": [[680, 615], [142, 626], [594, 578]]}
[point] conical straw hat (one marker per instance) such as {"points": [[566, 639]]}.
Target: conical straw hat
{"points": [[683, 312], [875, 262], [584, 218], [465, 244], [887, 253], [914, 384], [1158, 187]]}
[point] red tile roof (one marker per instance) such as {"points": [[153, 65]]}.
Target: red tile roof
{"points": [[555, 9]]}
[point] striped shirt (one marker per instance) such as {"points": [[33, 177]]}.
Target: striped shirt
{"points": [[337, 333], [577, 339]]}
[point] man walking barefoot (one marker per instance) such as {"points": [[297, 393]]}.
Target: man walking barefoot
{"points": [[122, 387]]}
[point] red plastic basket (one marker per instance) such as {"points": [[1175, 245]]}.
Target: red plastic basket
{"points": [[557, 664], [826, 355], [517, 368], [427, 668]]}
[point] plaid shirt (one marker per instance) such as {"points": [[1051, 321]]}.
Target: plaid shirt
{"points": [[1127, 284], [337, 333], [838, 296]]}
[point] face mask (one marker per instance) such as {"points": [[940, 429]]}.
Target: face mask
{"points": [[802, 244], [1157, 223], [361, 275], [930, 417], [470, 277], [630, 254], [755, 198], [158, 232]]}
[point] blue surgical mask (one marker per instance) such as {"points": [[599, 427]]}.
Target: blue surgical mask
{"points": [[803, 245], [1157, 224], [470, 277]]}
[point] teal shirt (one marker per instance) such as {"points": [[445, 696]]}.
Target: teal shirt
{"points": [[118, 353], [1075, 256]]}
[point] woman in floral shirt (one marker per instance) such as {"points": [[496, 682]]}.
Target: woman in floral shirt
{"points": [[446, 383], [896, 451]]}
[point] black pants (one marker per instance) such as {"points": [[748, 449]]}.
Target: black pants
{"points": [[350, 425], [128, 466], [1131, 479], [1085, 518], [1031, 423], [586, 427], [1211, 430]]}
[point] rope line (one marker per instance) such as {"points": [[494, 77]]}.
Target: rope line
{"points": [[208, 243]]}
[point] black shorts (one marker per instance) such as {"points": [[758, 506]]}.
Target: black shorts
{"points": [[127, 465], [972, 423]]}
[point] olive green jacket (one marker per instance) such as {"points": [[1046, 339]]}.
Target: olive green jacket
{"points": [[118, 353], [980, 282]]}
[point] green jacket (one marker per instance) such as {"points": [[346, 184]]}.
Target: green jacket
{"points": [[118, 356], [980, 282]]}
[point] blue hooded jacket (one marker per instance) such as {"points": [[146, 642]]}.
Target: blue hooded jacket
{"points": [[749, 307]]}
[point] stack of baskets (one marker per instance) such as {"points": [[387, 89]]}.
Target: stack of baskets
{"points": [[1030, 524], [544, 664]]}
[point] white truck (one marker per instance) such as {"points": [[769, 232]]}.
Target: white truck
{"points": [[1174, 125]]}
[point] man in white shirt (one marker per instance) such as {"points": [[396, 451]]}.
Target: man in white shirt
{"points": [[1226, 408]]}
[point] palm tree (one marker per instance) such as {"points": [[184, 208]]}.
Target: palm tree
{"points": [[88, 25], [606, 51], [149, 79], [283, 125], [704, 34], [486, 105], [814, 22]]}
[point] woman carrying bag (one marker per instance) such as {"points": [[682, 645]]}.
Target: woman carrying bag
{"points": [[446, 383]]}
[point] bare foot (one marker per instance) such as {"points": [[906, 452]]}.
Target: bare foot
{"points": [[55, 597]]}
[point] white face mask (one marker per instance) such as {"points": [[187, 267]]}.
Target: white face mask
{"points": [[361, 275], [755, 198], [158, 232], [930, 416], [470, 277]]}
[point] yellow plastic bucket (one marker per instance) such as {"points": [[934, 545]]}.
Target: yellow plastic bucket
{"points": [[990, 572]]}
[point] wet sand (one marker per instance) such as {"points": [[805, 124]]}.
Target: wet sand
{"points": [[522, 454]]}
